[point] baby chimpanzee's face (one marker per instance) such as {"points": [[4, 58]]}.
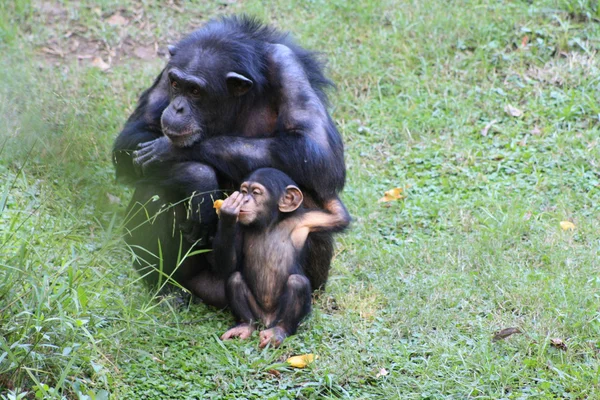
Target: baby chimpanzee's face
{"points": [[258, 205]]}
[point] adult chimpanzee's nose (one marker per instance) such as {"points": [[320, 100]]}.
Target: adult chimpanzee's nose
{"points": [[178, 105]]}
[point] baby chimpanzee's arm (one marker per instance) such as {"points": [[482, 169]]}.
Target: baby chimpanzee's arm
{"points": [[226, 244], [335, 219]]}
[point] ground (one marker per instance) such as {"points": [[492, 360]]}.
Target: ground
{"points": [[486, 114]]}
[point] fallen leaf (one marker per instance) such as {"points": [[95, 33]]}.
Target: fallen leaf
{"points": [[536, 130], [117, 19], [274, 372], [301, 361], [485, 130], [524, 41], [567, 225], [99, 63], [558, 343], [504, 333], [382, 372], [391, 195], [512, 111]]}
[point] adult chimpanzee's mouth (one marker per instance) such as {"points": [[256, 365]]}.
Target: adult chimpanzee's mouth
{"points": [[183, 139]]}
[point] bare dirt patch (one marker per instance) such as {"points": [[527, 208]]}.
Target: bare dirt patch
{"points": [[104, 39]]}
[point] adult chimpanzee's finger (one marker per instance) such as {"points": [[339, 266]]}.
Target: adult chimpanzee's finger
{"points": [[145, 144], [143, 150], [141, 158], [137, 167]]}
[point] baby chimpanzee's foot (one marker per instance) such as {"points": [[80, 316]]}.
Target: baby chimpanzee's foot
{"points": [[275, 336], [243, 331]]}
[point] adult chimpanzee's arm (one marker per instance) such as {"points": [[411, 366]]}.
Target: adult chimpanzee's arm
{"points": [[317, 167], [307, 145], [142, 126]]}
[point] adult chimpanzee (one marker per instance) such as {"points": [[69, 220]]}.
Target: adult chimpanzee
{"points": [[235, 96], [261, 236]]}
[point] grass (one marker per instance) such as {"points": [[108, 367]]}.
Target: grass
{"points": [[419, 286]]}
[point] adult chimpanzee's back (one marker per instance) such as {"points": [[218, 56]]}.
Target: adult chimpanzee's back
{"points": [[235, 96]]}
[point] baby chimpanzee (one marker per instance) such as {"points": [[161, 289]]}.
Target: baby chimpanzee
{"points": [[261, 236]]}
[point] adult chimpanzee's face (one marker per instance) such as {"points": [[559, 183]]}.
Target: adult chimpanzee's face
{"points": [[182, 120], [203, 95]]}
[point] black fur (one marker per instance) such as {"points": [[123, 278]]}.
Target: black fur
{"points": [[225, 152]]}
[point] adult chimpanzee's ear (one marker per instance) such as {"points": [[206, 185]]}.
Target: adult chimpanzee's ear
{"points": [[238, 84], [291, 200], [172, 50]]}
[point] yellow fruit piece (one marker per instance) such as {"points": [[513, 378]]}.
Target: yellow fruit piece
{"points": [[391, 195], [301, 361], [217, 206], [567, 225]]}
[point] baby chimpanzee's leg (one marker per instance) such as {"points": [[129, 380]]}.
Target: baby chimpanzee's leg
{"points": [[244, 308], [294, 305]]}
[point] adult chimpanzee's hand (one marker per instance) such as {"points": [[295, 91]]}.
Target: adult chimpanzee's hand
{"points": [[153, 153]]}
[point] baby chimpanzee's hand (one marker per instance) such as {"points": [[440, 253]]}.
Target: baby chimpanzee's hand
{"points": [[230, 208]]}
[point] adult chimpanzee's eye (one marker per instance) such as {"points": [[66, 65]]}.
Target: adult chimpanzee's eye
{"points": [[174, 84], [196, 92]]}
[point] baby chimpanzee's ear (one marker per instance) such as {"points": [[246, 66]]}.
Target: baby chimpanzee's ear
{"points": [[291, 200]]}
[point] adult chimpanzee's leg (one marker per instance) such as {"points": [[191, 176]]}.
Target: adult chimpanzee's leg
{"points": [[198, 187], [156, 215], [150, 232], [294, 305], [203, 283]]}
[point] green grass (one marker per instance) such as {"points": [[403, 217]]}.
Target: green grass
{"points": [[418, 287]]}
